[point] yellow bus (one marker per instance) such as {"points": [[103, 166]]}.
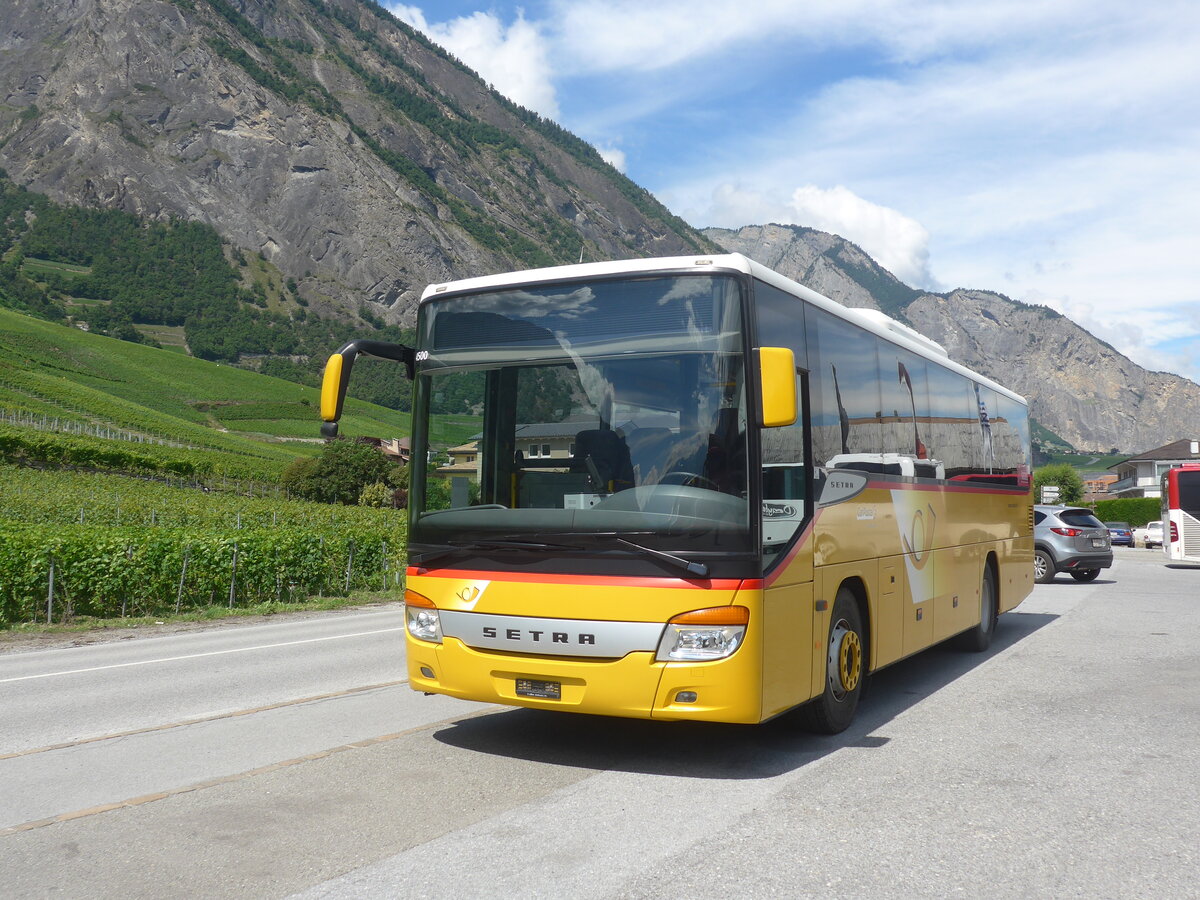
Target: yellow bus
{"points": [[692, 489]]}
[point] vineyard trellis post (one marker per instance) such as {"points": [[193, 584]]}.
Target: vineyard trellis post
{"points": [[182, 575], [50, 595], [125, 592], [233, 575]]}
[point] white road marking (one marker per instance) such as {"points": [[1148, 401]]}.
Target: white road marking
{"points": [[166, 659]]}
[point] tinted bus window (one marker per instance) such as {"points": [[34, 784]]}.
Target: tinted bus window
{"points": [[1189, 492], [905, 423], [954, 422], [844, 381], [786, 503]]}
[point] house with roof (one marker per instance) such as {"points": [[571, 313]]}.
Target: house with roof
{"points": [[542, 441], [545, 444], [1141, 475], [1098, 487]]}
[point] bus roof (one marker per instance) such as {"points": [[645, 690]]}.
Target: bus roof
{"points": [[869, 319]]}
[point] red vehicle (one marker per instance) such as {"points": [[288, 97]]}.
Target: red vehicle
{"points": [[1181, 514]]}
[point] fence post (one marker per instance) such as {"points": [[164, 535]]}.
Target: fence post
{"points": [[50, 596], [233, 575], [125, 592]]}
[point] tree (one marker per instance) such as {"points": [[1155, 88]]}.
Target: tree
{"points": [[1070, 485], [339, 474]]}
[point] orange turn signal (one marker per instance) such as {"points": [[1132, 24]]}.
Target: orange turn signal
{"points": [[714, 615], [412, 598]]}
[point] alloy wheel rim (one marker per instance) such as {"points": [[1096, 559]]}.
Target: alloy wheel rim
{"points": [[845, 660]]}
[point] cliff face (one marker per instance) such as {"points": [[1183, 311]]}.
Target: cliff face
{"points": [[366, 163], [360, 159], [1077, 386]]}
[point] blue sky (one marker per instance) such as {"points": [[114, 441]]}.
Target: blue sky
{"points": [[1046, 150]]}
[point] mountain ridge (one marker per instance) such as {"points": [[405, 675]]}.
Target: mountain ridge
{"points": [[363, 162]]}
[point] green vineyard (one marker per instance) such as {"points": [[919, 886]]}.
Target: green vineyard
{"points": [[75, 545]]}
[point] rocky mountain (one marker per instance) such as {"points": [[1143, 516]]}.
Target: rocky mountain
{"points": [[1077, 385], [359, 158], [364, 162]]}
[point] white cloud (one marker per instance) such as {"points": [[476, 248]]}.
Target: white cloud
{"points": [[512, 58], [898, 243], [632, 35], [613, 156]]}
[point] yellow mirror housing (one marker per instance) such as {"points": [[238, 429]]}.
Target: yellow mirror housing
{"points": [[331, 389], [777, 386]]}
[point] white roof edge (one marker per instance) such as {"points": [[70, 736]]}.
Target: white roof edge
{"points": [[878, 323], [591, 270]]}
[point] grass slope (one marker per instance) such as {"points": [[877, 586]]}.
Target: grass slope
{"points": [[62, 372]]}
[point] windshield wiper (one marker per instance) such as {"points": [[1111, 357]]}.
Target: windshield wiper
{"points": [[700, 570], [462, 546]]}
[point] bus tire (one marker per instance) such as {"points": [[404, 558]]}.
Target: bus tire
{"points": [[979, 638], [1043, 567], [845, 670], [1086, 574]]}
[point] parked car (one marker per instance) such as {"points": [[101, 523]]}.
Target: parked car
{"points": [[1069, 539], [1120, 533], [1149, 536]]}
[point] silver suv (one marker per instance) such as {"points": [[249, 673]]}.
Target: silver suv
{"points": [[1069, 539]]}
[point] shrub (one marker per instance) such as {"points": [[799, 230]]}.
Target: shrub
{"points": [[1137, 511], [377, 495]]}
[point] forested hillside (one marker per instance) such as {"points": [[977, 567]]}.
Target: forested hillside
{"points": [[113, 274], [359, 159]]}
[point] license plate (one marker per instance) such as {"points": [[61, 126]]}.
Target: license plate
{"points": [[1099, 542], [543, 690]]}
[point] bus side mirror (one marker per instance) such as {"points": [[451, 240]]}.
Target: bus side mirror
{"points": [[337, 376], [776, 386]]}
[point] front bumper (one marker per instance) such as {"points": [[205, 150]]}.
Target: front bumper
{"points": [[635, 686]]}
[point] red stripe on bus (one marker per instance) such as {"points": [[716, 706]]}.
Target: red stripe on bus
{"points": [[719, 584]]}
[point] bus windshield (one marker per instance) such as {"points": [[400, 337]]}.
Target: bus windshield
{"points": [[611, 410]]}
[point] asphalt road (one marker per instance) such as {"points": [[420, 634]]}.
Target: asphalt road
{"points": [[293, 760]]}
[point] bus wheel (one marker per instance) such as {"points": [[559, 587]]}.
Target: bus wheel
{"points": [[1043, 567], [1086, 575], [979, 638], [845, 669]]}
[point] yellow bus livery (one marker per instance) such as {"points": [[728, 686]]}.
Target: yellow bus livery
{"points": [[692, 489]]}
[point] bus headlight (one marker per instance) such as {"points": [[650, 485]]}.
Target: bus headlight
{"points": [[704, 634], [424, 623]]}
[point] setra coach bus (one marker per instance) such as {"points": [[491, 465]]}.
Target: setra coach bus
{"points": [[692, 489]]}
